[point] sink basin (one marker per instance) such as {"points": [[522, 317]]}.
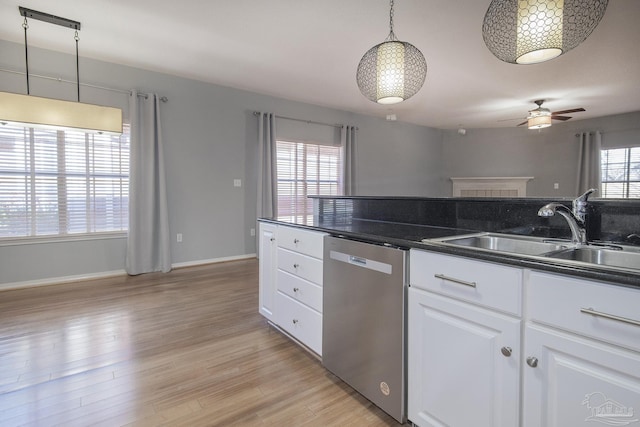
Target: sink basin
{"points": [[627, 259], [505, 243]]}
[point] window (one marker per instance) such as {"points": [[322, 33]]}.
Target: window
{"points": [[621, 173], [303, 170], [62, 182]]}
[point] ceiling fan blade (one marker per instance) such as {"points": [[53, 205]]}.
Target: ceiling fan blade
{"points": [[508, 120], [523, 123], [563, 118], [574, 110]]}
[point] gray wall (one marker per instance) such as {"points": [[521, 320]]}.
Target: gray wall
{"points": [[550, 155], [210, 137]]}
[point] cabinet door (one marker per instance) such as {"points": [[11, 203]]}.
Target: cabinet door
{"points": [[463, 364], [578, 381], [267, 270]]}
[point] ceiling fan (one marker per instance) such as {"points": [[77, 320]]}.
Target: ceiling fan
{"points": [[541, 117]]}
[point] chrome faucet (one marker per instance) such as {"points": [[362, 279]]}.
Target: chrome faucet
{"points": [[576, 217]]}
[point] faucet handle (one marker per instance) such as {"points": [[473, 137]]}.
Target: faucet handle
{"points": [[580, 205], [585, 196]]}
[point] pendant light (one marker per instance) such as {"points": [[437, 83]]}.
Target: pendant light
{"points": [[392, 71], [533, 31], [33, 111]]}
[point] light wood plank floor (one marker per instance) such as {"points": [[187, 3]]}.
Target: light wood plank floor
{"points": [[187, 348]]}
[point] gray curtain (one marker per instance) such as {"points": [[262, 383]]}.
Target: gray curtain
{"points": [[348, 142], [148, 241], [267, 206], [589, 174]]}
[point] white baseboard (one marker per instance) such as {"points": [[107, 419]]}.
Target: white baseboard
{"points": [[59, 280], [105, 274], [212, 261]]}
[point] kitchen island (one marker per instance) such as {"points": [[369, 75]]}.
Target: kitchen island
{"points": [[516, 340]]}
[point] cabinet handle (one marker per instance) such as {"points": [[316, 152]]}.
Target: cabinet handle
{"points": [[296, 265], [295, 321], [610, 316], [532, 361], [296, 289], [272, 239], [296, 241], [506, 351], [454, 280]]}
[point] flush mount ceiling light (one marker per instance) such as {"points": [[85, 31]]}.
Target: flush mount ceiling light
{"points": [[34, 111], [391, 71], [533, 31]]}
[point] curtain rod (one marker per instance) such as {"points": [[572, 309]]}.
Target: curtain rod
{"points": [[255, 113], [611, 131], [58, 79]]}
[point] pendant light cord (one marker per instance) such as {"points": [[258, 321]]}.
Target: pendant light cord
{"points": [[76, 38], [25, 25], [392, 35]]}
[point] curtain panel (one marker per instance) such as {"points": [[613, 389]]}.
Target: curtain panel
{"points": [[267, 203], [148, 240], [348, 143], [589, 174]]}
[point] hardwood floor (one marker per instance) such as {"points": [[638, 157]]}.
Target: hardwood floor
{"points": [[186, 348]]}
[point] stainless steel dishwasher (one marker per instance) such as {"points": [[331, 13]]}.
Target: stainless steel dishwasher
{"points": [[363, 326]]}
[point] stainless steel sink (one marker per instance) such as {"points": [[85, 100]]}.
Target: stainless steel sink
{"points": [[616, 257], [623, 258], [505, 243]]}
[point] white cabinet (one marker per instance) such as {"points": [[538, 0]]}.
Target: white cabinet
{"points": [[290, 294], [580, 358], [267, 269], [299, 285], [463, 358], [583, 367]]}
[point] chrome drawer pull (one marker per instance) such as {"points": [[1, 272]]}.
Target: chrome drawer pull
{"points": [[454, 280], [610, 316]]}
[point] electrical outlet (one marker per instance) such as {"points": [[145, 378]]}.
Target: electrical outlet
{"points": [[179, 237], [252, 232], [237, 183], [556, 186]]}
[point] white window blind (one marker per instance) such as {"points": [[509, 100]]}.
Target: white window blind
{"points": [[621, 173], [305, 169], [62, 182]]}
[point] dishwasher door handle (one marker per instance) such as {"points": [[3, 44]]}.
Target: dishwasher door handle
{"points": [[370, 264], [357, 260]]}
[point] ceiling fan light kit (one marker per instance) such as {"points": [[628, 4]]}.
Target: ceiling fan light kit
{"points": [[541, 117], [392, 71], [539, 122], [534, 31], [33, 111]]}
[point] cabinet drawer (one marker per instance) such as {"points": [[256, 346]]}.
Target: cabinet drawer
{"points": [[300, 290], [482, 283], [300, 265], [558, 300], [303, 241], [300, 321]]}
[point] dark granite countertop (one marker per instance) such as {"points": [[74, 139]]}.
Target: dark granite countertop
{"points": [[411, 235]]}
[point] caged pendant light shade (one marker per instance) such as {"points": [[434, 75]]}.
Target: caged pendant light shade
{"points": [[533, 31], [391, 71]]}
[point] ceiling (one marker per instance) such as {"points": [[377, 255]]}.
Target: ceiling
{"points": [[308, 51]]}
